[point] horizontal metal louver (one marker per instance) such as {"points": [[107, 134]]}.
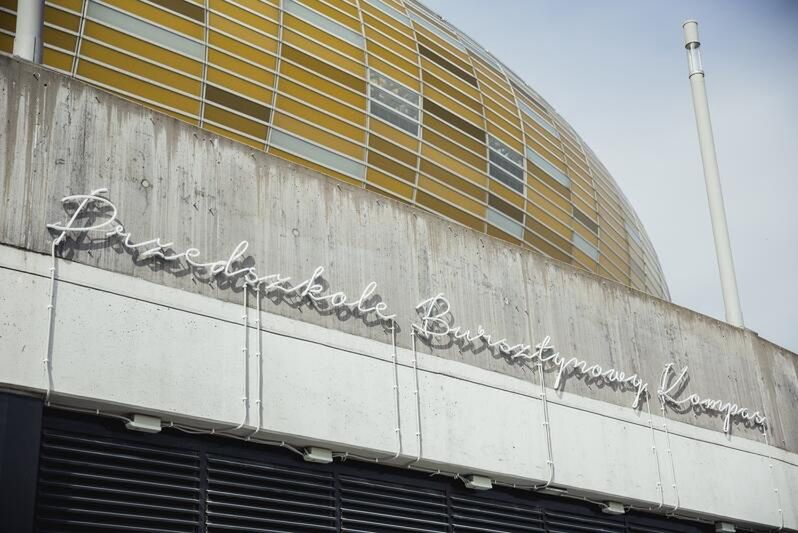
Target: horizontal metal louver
{"points": [[99, 478], [94, 484], [560, 522], [645, 529], [480, 514], [664, 525], [257, 497], [371, 506]]}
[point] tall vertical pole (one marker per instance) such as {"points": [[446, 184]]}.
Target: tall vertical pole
{"points": [[717, 211], [28, 34]]}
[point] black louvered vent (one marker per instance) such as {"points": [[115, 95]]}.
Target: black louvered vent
{"points": [[645, 529], [254, 497], [370, 506], [560, 522], [479, 514], [98, 477], [93, 484], [663, 525]]}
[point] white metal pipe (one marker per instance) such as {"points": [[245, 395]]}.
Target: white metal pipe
{"points": [[259, 362], [245, 354], [28, 32], [674, 485], [48, 367], [717, 211], [398, 429], [655, 454], [546, 429], [418, 398]]}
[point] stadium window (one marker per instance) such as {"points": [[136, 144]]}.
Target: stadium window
{"points": [[320, 21], [547, 167], [395, 13], [583, 245], [534, 115], [632, 231], [506, 165], [317, 154], [429, 26], [393, 102], [504, 223], [145, 30]]}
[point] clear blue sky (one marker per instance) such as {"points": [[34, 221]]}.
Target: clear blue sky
{"points": [[616, 70]]}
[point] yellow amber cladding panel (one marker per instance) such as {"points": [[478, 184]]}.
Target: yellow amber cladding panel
{"points": [[418, 130]]}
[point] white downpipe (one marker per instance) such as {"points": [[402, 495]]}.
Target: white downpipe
{"points": [[398, 429], [28, 32], [717, 211], [48, 362], [775, 484], [48, 367], [655, 455], [259, 362], [546, 430], [245, 355], [669, 450], [418, 398]]}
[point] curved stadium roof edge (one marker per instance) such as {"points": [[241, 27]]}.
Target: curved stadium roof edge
{"points": [[382, 94]]}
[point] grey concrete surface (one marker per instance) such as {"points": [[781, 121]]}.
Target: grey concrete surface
{"points": [[60, 136]]}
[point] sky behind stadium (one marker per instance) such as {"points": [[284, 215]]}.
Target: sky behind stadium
{"points": [[616, 71]]}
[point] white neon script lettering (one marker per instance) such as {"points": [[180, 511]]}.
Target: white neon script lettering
{"points": [[435, 322], [668, 386], [156, 248]]}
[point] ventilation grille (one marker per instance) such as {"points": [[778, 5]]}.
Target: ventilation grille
{"points": [[109, 480], [248, 496], [474, 514], [382, 507], [88, 484], [659, 525], [573, 523]]}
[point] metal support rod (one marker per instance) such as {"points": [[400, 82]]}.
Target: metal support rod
{"points": [[717, 211], [28, 33]]}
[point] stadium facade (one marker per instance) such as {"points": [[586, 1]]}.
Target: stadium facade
{"points": [[211, 322], [381, 95]]}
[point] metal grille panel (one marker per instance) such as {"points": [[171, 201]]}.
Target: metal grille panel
{"points": [[92, 484], [559, 522], [98, 477], [257, 497], [370, 506], [479, 514]]}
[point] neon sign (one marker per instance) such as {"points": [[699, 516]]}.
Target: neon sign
{"points": [[435, 323], [730, 410], [436, 320], [156, 248]]}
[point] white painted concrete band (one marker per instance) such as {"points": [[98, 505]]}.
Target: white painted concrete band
{"points": [[331, 388]]}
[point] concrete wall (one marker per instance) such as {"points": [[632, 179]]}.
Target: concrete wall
{"points": [[125, 345], [171, 180], [62, 137]]}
